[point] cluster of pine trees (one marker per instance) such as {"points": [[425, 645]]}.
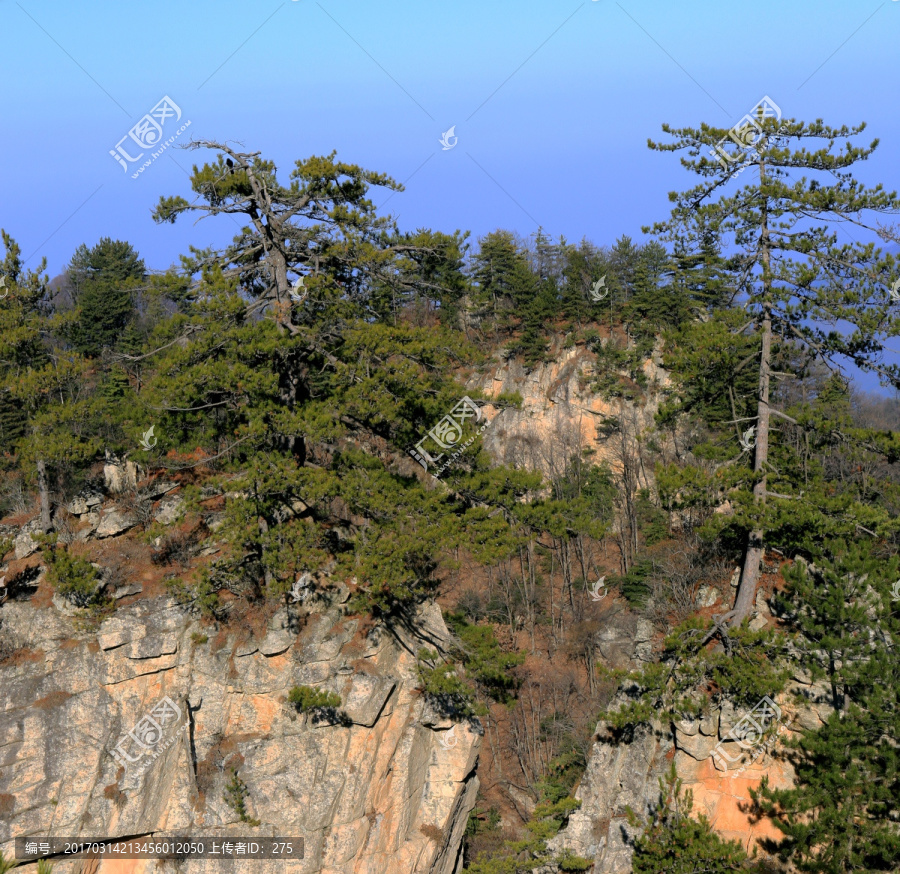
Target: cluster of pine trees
{"points": [[295, 366]]}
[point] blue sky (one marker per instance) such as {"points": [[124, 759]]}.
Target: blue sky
{"points": [[553, 103]]}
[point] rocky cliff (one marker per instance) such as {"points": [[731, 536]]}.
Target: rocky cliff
{"points": [[719, 757], [379, 785], [560, 413]]}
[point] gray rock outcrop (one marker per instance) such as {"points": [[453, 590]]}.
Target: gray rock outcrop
{"points": [[370, 791]]}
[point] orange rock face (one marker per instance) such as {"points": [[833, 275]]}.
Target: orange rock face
{"points": [[724, 796]]}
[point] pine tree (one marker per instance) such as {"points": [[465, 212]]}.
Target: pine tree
{"points": [[103, 279], [798, 280], [585, 265], [675, 843], [504, 279], [841, 814]]}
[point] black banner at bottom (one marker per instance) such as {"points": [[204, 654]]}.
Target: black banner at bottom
{"points": [[228, 847]]}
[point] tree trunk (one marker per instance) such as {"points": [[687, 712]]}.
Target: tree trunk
{"points": [[746, 593], [46, 521]]}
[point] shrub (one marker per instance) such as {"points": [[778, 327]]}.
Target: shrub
{"points": [[74, 578], [485, 662], [443, 686], [235, 794], [674, 841], [305, 699]]}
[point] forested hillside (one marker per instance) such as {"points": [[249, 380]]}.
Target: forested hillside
{"points": [[323, 386]]}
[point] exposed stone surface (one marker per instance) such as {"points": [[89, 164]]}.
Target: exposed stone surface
{"points": [[617, 776], [83, 504], [114, 522], [64, 607], [725, 796], [643, 641], [379, 793], [698, 746], [279, 636], [159, 487], [707, 596], [709, 724], [125, 591], [169, 510], [77, 507], [25, 544], [558, 404], [119, 476], [757, 623], [818, 705], [616, 641], [90, 521], [719, 771]]}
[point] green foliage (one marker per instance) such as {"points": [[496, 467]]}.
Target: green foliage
{"points": [[481, 822], [235, 796], [651, 519], [841, 814], [6, 864], [755, 666], [306, 699], [617, 370], [563, 771], [13, 421], [103, 279], [76, 579], [290, 415], [523, 856], [633, 585], [673, 841], [444, 686], [203, 594], [485, 662]]}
